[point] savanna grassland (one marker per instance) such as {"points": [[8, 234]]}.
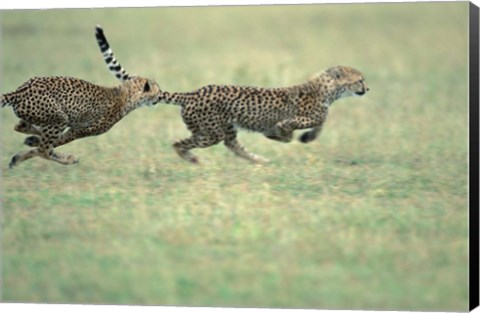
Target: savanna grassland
{"points": [[371, 215]]}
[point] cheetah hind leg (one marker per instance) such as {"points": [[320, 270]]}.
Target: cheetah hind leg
{"points": [[183, 147], [198, 140], [232, 143]]}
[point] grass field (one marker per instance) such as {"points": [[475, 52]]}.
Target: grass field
{"points": [[372, 215]]}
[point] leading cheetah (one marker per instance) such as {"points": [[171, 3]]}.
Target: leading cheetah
{"points": [[214, 112], [58, 110]]}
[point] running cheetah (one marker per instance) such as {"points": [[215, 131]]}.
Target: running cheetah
{"points": [[58, 110], [214, 112]]}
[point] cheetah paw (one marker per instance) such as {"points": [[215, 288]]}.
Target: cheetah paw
{"points": [[32, 141], [306, 137], [13, 162], [70, 159], [259, 160]]}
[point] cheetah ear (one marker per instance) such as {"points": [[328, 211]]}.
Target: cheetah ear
{"points": [[146, 88]]}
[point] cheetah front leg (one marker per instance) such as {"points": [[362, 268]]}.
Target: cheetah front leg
{"points": [[311, 135], [27, 128], [48, 136], [65, 159], [66, 137], [283, 131], [232, 143], [69, 136], [22, 156]]}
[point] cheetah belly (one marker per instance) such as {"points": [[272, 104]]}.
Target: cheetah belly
{"points": [[83, 119], [261, 119], [83, 113]]}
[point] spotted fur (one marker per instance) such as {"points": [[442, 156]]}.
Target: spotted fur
{"points": [[58, 110], [214, 113]]}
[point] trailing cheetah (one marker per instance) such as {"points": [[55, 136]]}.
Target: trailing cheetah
{"points": [[214, 112], [58, 110]]}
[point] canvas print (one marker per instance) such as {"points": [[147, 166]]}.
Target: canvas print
{"points": [[274, 156]]}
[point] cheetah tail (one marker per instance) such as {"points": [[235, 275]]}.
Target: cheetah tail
{"points": [[176, 98], [165, 97], [115, 68], [4, 101]]}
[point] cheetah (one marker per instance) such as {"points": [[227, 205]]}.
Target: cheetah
{"points": [[213, 113], [57, 110]]}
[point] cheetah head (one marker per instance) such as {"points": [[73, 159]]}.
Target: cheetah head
{"points": [[143, 91], [350, 80]]}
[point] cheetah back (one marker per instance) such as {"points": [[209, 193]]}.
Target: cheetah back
{"points": [[53, 100], [251, 108]]}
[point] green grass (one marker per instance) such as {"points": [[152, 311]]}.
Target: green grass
{"points": [[372, 215]]}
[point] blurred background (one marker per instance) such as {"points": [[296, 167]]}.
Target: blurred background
{"points": [[372, 215]]}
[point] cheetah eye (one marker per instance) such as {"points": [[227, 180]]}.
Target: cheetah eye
{"points": [[146, 88]]}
